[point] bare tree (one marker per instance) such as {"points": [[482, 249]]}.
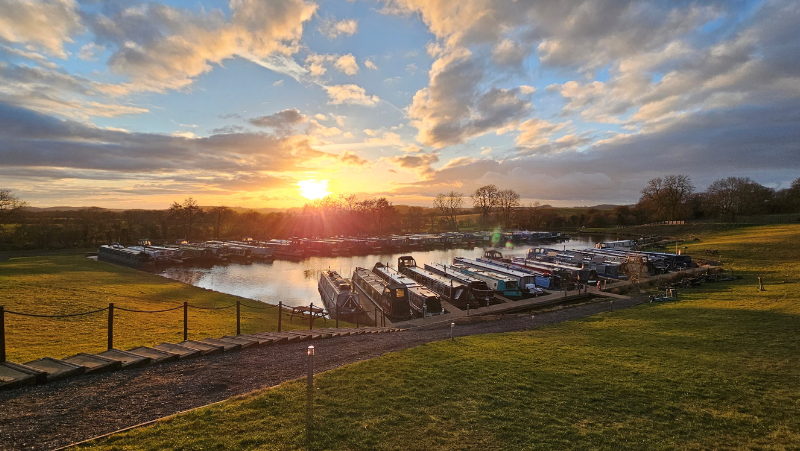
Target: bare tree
{"points": [[507, 201], [665, 197], [449, 205], [9, 204], [484, 199]]}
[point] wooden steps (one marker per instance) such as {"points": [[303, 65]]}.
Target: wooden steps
{"points": [[181, 351], [48, 369], [56, 369]]}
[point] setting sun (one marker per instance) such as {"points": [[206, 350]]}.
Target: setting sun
{"points": [[313, 189]]}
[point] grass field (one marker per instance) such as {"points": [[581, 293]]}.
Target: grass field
{"points": [[65, 284], [717, 370]]}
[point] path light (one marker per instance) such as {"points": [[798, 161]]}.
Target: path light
{"points": [[452, 331], [310, 392]]}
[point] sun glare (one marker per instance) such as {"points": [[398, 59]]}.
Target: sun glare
{"points": [[313, 189]]}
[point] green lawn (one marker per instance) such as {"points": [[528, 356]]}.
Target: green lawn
{"points": [[64, 284], [718, 370]]}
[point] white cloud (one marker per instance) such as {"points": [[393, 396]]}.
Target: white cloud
{"points": [[346, 64], [350, 94], [278, 83], [370, 65], [89, 51], [333, 29], [320, 117], [47, 24]]}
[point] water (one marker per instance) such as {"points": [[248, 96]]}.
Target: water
{"points": [[295, 282]]}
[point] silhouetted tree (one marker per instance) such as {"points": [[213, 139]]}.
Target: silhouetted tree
{"points": [[507, 201], [664, 197], [484, 200], [449, 205]]}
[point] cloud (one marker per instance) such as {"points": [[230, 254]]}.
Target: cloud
{"points": [[370, 65], [89, 51], [350, 94], [278, 83], [56, 92], [333, 29], [452, 109], [47, 24], [756, 142], [281, 121], [346, 64], [509, 53], [353, 159], [419, 162], [158, 47], [83, 149], [535, 132]]}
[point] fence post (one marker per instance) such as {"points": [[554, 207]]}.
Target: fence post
{"points": [[311, 317], [185, 320], [280, 314], [238, 318], [110, 326], [337, 316], [2, 334]]}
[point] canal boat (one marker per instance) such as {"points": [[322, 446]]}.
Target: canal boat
{"points": [[338, 297], [478, 290], [506, 285], [116, 253], [526, 280], [390, 297], [422, 300]]}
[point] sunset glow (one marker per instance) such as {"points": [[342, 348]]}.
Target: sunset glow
{"points": [[242, 102], [313, 189]]}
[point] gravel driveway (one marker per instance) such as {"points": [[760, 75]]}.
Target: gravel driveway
{"points": [[60, 413]]}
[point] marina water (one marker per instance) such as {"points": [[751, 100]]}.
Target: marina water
{"points": [[295, 282]]}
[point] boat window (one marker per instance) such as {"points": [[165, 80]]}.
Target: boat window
{"points": [[400, 293]]}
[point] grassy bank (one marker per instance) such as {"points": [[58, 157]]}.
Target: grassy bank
{"points": [[65, 284], [717, 370]]}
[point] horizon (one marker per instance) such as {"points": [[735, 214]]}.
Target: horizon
{"points": [[267, 104]]}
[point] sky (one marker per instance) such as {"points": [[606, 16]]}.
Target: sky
{"points": [[265, 103]]}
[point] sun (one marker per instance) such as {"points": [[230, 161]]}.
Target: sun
{"points": [[313, 189]]}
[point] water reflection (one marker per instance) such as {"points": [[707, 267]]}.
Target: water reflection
{"points": [[295, 283]]}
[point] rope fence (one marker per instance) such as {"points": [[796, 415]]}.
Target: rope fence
{"points": [[313, 313]]}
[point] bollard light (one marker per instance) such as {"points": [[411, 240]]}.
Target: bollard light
{"points": [[310, 393], [452, 331]]}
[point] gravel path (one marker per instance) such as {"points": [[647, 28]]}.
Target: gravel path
{"points": [[57, 414]]}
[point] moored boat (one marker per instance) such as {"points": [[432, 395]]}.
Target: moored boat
{"points": [[338, 297]]}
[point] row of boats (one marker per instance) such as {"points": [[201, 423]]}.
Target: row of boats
{"points": [[410, 291], [145, 255]]}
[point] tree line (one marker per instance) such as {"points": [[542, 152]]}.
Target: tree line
{"points": [[666, 198]]}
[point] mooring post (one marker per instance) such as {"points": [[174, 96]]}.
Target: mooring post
{"points": [[376, 315], [337, 316], [2, 334], [110, 326], [238, 318], [310, 393], [311, 316], [185, 320], [280, 314]]}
